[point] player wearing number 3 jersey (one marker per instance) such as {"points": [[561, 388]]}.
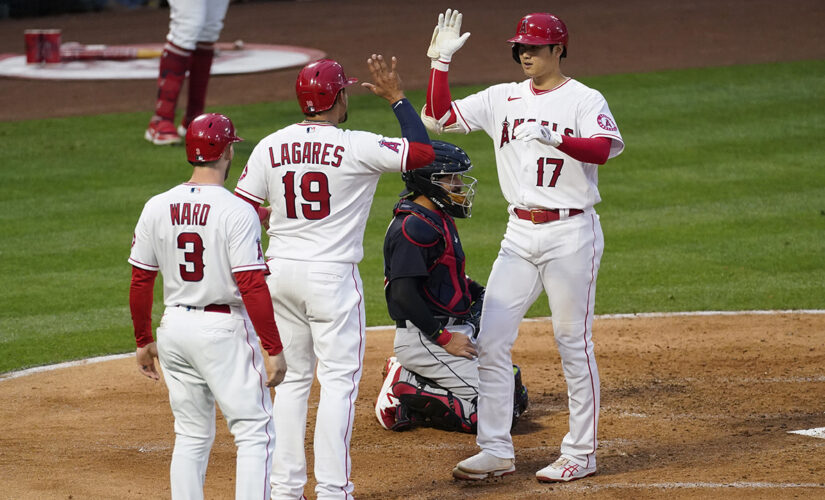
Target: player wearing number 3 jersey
{"points": [[549, 134], [320, 181], [207, 244]]}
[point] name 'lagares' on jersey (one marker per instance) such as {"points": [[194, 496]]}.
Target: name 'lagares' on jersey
{"points": [[308, 153]]}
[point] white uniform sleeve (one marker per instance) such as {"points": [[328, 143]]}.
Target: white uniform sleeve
{"points": [[142, 254], [252, 183], [474, 112], [378, 154], [596, 120], [244, 239]]}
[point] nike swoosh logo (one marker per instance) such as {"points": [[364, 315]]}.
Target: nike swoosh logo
{"points": [[513, 98]]}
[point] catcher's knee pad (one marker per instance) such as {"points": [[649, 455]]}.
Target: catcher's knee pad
{"points": [[520, 400], [431, 407]]}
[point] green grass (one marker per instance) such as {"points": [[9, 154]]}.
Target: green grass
{"points": [[718, 203]]}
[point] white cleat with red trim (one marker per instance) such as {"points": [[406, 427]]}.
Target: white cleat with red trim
{"points": [[483, 466], [564, 469], [387, 404]]}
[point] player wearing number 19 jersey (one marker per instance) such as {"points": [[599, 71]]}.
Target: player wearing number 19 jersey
{"points": [[319, 181], [550, 133]]}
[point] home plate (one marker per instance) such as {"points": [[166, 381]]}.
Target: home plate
{"points": [[229, 60], [819, 432]]}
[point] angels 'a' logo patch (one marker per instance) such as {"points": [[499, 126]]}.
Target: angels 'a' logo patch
{"points": [[606, 123], [390, 145], [243, 174]]}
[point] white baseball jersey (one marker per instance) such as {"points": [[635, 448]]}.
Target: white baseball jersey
{"points": [[198, 235], [530, 175], [320, 181]]}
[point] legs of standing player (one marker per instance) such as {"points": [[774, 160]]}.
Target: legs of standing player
{"points": [[245, 402], [201, 65], [514, 284], [570, 282], [325, 299], [209, 356], [191, 21], [289, 469]]}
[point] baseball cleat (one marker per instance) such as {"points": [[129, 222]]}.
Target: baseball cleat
{"points": [[563, 470], [162, 132], [387, 404], [482, 466]]}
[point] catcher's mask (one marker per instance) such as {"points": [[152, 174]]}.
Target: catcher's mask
{"points": [[318, 85], [208, 136], [539, 28], [443, 181]]}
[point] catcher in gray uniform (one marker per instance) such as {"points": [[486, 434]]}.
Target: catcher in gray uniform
{"points": [[433, 378]]}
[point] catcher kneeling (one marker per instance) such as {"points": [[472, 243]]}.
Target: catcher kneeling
{"points": [[433, 378]]}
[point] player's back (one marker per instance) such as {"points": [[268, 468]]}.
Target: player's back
{"points": [[320, 182], [189, 226]]}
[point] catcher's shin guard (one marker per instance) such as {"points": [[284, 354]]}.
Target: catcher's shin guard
{"points": [[520, 400], [431, 407]]}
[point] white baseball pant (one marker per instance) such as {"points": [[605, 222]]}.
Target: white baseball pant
{"points": [[319, 307], [208, 357], [193, 21], [562, 258]]}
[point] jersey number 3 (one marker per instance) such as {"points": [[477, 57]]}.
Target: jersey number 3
{"points": [[555, 162], [192, 243], [314, 188]]}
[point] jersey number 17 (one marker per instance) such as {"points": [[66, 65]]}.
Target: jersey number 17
{"points": [[555, 163]]}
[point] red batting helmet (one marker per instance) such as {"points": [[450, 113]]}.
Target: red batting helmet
{"points": [[318, 85], [208, 136], [539, 28]]}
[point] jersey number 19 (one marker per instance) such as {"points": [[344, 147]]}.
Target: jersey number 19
{"points": [[314, 188]]}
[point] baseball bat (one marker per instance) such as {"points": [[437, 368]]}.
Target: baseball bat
{"points": [[78, 52]]}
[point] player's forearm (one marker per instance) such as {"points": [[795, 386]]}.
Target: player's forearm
{"points": [[586, 149], [421, 150], [439, 99], [256, 299], [141, 292]]}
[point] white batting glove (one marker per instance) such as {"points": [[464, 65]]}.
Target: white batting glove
{"points": [[530, 131], [446, 39]]}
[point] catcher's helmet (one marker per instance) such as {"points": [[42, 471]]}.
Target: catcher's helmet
{"points": [[539, 28], [318, 85], [208, 136], [443, 181]]}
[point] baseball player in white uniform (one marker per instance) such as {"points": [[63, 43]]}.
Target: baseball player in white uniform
{"points": [[320, 181], [207, 244], [194, 27], [550, 133]]}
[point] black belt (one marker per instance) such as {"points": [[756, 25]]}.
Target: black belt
{"points": [[217, 308], [541, 215], [445, 320]]}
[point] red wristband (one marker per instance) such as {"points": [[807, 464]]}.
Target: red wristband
{"points": [[443, 337]]}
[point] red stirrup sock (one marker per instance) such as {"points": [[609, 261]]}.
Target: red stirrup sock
{"points": [[173, 66], [198, 80]]}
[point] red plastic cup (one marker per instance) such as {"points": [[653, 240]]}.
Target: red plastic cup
{"points": [[33, 54], [50, 45]]}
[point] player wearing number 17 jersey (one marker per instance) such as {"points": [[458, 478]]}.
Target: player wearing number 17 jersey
{"points": [[320, 181], [550, 133]]}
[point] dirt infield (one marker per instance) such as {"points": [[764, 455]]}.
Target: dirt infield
{"points": [[692, 406]]}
